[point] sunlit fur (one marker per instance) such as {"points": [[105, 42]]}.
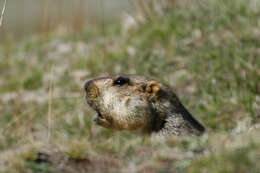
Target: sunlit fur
{"points": [[142, 104]]}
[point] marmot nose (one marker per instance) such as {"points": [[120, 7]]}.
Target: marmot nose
{"points": [[87, 84]]}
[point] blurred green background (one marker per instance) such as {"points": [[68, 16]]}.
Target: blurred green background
{"points": [[207, 51]]}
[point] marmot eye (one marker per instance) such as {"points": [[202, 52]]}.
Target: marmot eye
{"points": [[120, 81]]}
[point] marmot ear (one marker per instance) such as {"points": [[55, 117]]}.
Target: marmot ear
{"points": [[152, 88]]}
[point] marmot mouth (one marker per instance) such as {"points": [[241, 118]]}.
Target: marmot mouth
{"points": [[98, 115], [102, 121]]}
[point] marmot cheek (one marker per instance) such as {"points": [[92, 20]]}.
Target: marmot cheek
{"points": [[127, 101]]}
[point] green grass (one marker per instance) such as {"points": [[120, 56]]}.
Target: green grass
{"points": [[207, 51]]}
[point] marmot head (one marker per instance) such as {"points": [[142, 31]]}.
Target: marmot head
{"points": [[131, 102]]}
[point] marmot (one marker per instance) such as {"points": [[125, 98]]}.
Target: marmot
{"points": [[132, 102]]}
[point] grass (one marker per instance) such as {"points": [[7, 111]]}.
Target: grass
{"points": [[207, 51]]}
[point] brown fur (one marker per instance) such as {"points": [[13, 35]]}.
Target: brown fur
{"points": [[131, 102]]}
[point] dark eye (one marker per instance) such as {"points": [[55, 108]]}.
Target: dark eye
{"points": [[120, 81]]}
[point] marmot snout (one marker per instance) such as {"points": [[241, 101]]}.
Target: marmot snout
{"points": [[131, 102]]}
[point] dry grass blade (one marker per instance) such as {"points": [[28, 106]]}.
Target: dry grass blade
{"points": [[50, 105], [2, 14]]}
